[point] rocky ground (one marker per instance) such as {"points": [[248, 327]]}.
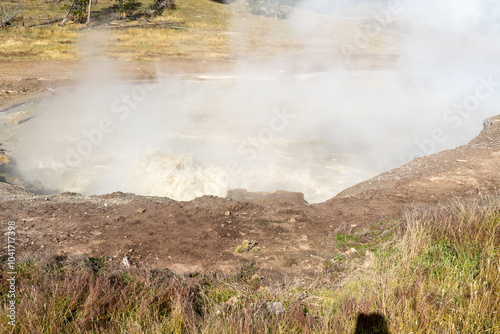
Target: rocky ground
{"points": [[287, 237]]}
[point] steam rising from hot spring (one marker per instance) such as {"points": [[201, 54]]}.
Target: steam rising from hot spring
{"points": [[311, 123]]}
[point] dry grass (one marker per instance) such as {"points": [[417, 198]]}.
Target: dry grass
{"points": [[202, 33], [436, 271], [203, 29], [47, 43]]}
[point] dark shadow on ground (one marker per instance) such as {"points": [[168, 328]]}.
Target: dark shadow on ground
{"points": [[373, 323]]}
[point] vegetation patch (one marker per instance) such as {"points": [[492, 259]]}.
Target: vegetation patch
{"points": [[247, 246], [149, 30], [437, 271]]}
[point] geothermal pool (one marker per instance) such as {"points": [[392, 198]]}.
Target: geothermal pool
{"points": [[189, 135]]}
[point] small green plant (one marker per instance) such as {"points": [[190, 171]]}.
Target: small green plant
{"points": [[343, 240], [244, 274], [98, 264], [247, 246], [158, 198], [240, 249], [338, 258], [328, 265], [126, 278]]}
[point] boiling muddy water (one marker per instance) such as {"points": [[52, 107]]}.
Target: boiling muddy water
{"points": [[187, 136]]}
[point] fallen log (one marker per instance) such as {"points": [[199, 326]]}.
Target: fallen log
{"points": [[46, 22], [170, 25]]}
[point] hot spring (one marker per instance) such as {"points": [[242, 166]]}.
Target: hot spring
{"points": [[300, 117], [183, 136]]}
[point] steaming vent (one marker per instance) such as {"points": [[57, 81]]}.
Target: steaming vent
{"points": [[359, 92]]}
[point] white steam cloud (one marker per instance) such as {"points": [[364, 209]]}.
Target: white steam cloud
{"points": [[376, 84]]}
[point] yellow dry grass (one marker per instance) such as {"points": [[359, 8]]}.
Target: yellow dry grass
{"points": [[38, 43], [202, 29]]}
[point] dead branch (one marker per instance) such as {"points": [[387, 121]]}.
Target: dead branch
{"points": [[46, 22], [35, 18], [67, 14], [171, 25], [252, 244], [7, 16]]}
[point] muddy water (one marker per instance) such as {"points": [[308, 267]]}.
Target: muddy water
{"points": [[317, 133]]}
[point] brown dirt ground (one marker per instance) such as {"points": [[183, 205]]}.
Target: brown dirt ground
{"points": [[202, 234], [21, 81]]}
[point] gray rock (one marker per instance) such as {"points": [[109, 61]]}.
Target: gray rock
{"points": [[275, 308], [490, 121]]}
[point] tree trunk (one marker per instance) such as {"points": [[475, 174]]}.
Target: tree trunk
{"points": [[67, 14], [88, 14]]}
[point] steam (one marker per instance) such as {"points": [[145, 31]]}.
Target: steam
{"points": [[376, 84]]}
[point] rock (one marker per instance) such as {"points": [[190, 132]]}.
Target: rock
{"points": [[490, 121], [126, 262], [33, 187], [266, 198], [350, 251], [275, 308]]}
